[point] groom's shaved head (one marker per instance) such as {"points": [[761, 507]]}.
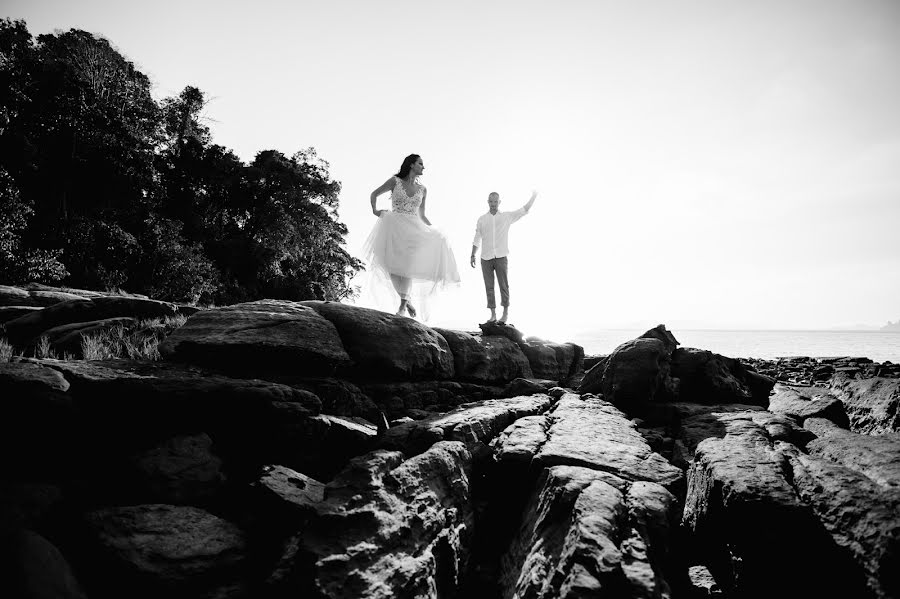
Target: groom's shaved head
{"points": [[493, 196]]}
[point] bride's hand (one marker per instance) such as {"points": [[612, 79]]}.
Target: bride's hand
{"points": [[378, 213]]}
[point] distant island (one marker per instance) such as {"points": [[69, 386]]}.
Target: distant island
{"points": [[891, 326]]}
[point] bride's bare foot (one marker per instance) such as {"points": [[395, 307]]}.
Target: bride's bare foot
{"points": [[402, 309], [411, 309]]}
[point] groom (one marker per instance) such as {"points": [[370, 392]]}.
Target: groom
{"points": [[492, 235]]}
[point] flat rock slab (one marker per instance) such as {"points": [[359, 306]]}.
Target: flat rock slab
{"points": [[861, 515], [178, 548], [15, 296], [590, 433], [477, 422], [485, 359], [386, 346], [587, 533], [875, 456], [873, 404], [24, 329], [266, 335], [801, 403], [68, 337], [391, 528], [752, 521]]}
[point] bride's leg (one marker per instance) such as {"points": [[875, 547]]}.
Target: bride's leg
{"points": [[401, 286]]}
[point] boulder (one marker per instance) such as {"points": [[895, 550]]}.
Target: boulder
{"points": [[633, 374], [34, 568], [801, 403], [263, 336], [181, 470], [501, 329], [873, 405], [485, 359], [706, 377], [388, 528], [24, 329], [149, 550], [386, 346], [751, 521]]}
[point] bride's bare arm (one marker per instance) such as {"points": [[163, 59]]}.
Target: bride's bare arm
{"points": [[386, 186], [422, 207]]}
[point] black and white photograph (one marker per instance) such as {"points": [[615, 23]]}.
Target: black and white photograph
{"points": [[509, 299]]}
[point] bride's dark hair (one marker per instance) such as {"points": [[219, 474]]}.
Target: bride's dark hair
{"points": [[407, 165]]}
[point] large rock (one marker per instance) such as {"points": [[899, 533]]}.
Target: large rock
{"points": [[24, 329], [485, 359], [149, 550], [632, 375], [266, 335], [181, 470], [709, 378], [801, 403], [873, 404], [586, 533], [753, 518], [386, 346], [474, 423], [390, 528], [133, 405], [34, 568]]}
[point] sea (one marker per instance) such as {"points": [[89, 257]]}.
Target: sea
{"points": [[880, 346]]}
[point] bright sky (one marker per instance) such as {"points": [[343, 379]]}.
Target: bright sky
{"points": [[705, 163]]}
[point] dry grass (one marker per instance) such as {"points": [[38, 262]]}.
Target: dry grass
{"points": [[6, 350], [139, 343]]}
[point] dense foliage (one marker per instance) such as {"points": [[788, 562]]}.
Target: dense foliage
{"points": [[104, 187]]}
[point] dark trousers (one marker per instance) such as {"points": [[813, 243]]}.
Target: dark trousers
{"points": [[488, 268]]}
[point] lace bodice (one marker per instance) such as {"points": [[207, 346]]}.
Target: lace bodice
{"points": [[401, 202]]}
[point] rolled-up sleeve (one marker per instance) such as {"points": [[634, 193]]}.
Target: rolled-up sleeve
{"points": [[476, 242], [517, 214]]}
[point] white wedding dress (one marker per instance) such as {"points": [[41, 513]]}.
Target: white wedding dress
{"points": [[401, 244]]}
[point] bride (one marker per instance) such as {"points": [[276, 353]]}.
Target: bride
{"points": [[404, 251]]}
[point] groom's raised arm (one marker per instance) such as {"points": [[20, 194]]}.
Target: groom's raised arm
{"points": [[530, 202]]}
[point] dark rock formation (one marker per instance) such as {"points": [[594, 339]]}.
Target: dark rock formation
{"points": [[485, 359], [801, 403], [710, 378], [25, 329], [267, 335], [385, 346], [873, 404]]}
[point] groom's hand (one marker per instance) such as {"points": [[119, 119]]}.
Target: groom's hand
{"points": [[472, 260]]}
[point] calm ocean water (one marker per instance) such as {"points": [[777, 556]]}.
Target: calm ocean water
{"points": [[878, 345]]}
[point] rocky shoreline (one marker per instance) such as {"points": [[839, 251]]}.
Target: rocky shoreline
{"points": [[283, 449]]}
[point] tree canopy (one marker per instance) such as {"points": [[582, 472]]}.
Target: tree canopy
{"points": [[101, 186]]}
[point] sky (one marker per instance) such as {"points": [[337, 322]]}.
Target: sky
{"points": [[703, 164]]}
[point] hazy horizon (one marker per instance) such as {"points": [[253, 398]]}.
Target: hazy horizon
{"points": [[735, 165]]}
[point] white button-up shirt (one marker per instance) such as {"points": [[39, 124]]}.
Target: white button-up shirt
{"points": [[492, 233]]}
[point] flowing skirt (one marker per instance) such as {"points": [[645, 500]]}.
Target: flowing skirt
{"points": [[402, 245]]}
